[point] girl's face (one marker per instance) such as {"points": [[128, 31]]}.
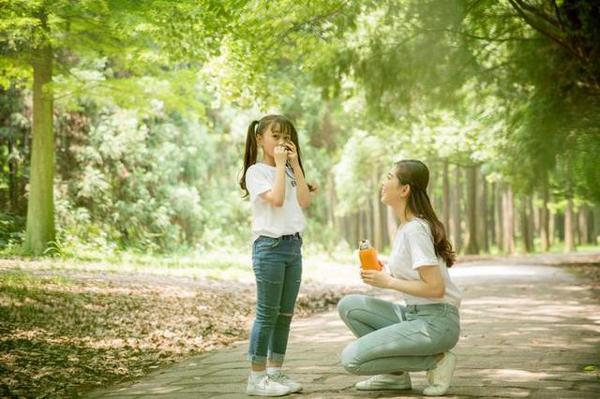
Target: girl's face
{"points": [[271, 138], [392, 192]]}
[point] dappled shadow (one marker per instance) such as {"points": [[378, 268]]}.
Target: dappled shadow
{"points": [[529, 331]]}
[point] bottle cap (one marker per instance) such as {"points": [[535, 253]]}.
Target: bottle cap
{"points": [[364, 244]]}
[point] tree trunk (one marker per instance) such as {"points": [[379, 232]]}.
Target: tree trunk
{"points": [[446, 198], [376, 207], [531, 222], [596, 226], [569, 226], [392, 224], [551, 228], [352, 233], [583, 225], [331, 202], [40, 206], [483, 218], [576, 235], [499, 202], [525, 226], [559, 226], [456, 216], [508, 238], [360, 232], [369, 222], [492, 216], [13, 182], [383, 230], [472, 244], [544, 220]]}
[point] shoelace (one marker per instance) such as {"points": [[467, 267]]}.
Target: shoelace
{"points": [[279, 377], [266, 381]]}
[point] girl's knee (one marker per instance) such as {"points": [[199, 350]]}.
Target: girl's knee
{"points": [[284, 319], [267, 315]]}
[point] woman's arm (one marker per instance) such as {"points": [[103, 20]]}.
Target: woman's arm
{"points": [[431, 284]]}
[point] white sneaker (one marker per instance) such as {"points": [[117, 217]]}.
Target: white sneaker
{"points": [[440, 378], [384, 382], [287, 381], [266, 387]]}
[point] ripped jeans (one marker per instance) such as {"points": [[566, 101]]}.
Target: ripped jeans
{"points": [[277, 264]]}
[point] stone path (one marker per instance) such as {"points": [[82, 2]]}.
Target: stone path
{"points": [[528, 331]]}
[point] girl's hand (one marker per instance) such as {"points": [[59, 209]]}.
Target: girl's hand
{"points": [[292, 153], [280, 154], [376, 278]]}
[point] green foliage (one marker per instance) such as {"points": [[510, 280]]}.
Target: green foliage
{"points": [[11, 229], [153, 99]]}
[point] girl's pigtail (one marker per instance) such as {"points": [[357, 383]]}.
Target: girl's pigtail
{"points": [[249, 154]]}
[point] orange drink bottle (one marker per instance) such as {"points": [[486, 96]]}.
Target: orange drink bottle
{"points": [[368, 256]]}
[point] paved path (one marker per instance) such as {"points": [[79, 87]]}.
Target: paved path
{"points": [[527, 331]]}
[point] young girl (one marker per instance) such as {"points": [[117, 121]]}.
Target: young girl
{"points": [[395, 339], [278, 193]]}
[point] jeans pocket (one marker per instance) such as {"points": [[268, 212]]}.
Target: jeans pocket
{"points": [[264, 243]]}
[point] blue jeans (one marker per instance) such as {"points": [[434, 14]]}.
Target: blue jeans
{"points": [[277, 264], [394, 338]]}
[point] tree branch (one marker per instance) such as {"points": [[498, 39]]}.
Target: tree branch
{"points": [[545, 32]]}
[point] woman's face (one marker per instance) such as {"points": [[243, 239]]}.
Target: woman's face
{"points": [[392, 192], [271, 138]]}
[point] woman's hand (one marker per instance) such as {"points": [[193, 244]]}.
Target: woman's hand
{"points": [[376, 278]]}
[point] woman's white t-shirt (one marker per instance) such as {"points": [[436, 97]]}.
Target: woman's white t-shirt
{"points": [[413, 248], [268, 220]]}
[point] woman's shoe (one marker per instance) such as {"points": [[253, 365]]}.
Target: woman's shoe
{"points": [[440, 378], [385, 382]]}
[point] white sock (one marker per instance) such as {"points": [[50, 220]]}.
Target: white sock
{"points": [[273, 370], [257, 375]]}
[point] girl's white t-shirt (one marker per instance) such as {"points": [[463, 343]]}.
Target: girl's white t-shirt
{"points": [[413, 248], [268, 220]]}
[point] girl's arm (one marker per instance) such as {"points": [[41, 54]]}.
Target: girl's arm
{"points": [[302, 191], [431, 284], [276, 195]]}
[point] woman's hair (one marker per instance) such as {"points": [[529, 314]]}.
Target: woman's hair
{"points": [[416, 174], [277, 123]]}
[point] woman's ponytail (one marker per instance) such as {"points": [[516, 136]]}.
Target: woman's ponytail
{"points": [[416, 174]]}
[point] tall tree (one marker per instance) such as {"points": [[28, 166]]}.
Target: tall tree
{"points": [[154, 37], [49, 36], [472, 243]]}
